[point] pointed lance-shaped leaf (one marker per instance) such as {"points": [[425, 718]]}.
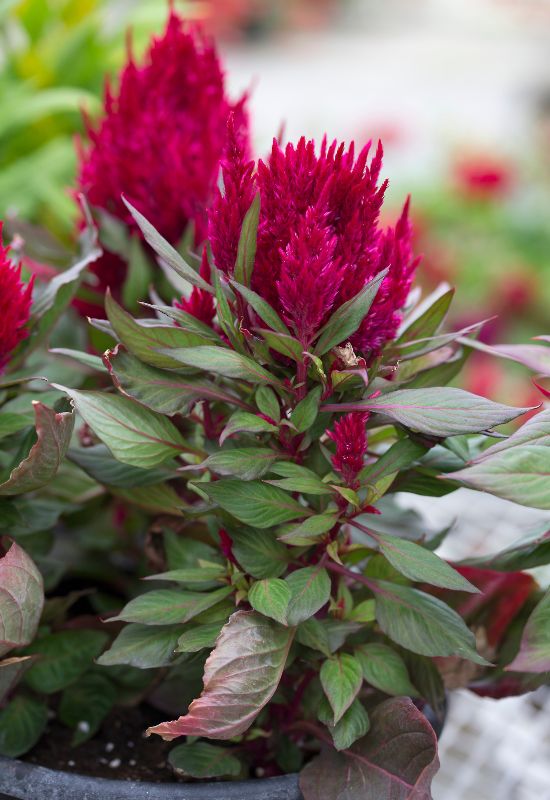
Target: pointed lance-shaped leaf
{"points": [[255, 503], [21, 599], [222, 361], [241, 676], [246, 251], [534, 650], [53, 432]]}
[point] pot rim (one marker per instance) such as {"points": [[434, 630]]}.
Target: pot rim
{"points": [[25, 781]]}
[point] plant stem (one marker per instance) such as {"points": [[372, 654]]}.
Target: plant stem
{"points": [[332, 566]]}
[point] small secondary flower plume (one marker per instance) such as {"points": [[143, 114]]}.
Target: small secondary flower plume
{"points": [[350, 436], [319, 236], [160, 140], [15, 305]]}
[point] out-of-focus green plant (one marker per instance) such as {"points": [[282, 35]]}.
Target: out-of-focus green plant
{"points": [[54, 56]]}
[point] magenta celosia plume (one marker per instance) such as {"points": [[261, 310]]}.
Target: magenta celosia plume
{"points": [[319, 236], [160, 140], [15, 305], [350, 436]]}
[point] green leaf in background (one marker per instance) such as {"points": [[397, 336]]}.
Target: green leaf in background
{"points": [[159, 499], [353, 725], [270, 597], [307, 532], [384, 669], [420, 564], [267, 402], [534, 650], [135, 435], [347, 318], [64, 657], [283, 343], [244, 422], [88, 701], [22, 723], [422, 623], [11, 672], [259, 553], [531, 551], [249, 656], [296, 478], [401, 454], [520, 474], [169, 606], [262, 308], [341, 679], [305, 413], [396, 759], [42, 463], [310, 589], [441, 411], [98, 462], [165, 250], [246, 463], [199, 637], [427, 318], [222, 361], [142, 646], [21, 599], [246, 251], [254, 503], [312, 633], [203, 760], [203, 574]]}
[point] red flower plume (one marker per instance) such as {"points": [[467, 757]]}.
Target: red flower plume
{"points": [[350, 437], [15, 305]]}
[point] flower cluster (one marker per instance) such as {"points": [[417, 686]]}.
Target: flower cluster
{"points": [[350, 437], [160, 140], [319, 236], [15, 305]]}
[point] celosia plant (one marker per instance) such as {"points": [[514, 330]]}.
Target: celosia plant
{"points": [[273, 421], [159, 143], [15, 305]]}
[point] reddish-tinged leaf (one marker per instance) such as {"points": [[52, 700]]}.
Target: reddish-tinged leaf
{"points": [[41, 465], [533, 356], [396, 760], [240, 677], [21, 599], [11, 671]]}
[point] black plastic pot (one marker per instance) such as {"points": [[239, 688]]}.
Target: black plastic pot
{"points": [[22, 781]]}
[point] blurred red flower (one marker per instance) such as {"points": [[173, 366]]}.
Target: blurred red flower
{"points": [[15, 305]]}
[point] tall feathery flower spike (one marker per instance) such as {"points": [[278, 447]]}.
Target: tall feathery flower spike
{"points": [[319, 236], [350, 436], [15, 305], [160, 141]]}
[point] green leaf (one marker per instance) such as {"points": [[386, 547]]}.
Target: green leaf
{"points": [[142, 646], [42, 463], [254, 503], [427, 318], [363, 612], [165, 250], [22, 723], [243, 421], [312, 633], [203, 760], [246, 463], [226, 318], [308, 531], [422, 623], [441, 411], [222, 361], [21, 599], [519, 474], [298, 479], [159, 499], [348, 317], [384, 669], [259, 553], [98, 462], [530, 551], [267, 402], [151, 344], [397, 759], [310, 589], [199, 637], [250, 656], [139, 274], [341, 679], [400, 455], [533, 356], [420, 564], [354, 724], [283, 343], [64, 657], [87, 359], [262, 308], [186, 321], [134, 434], [534, 650], [88, 701], [270, 597], [246, 251], [169, 606], [165, 392], [305, 413], [12, 423], [200, 574]]}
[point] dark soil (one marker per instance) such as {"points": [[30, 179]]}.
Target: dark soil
{"points": [[118, 751]]}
